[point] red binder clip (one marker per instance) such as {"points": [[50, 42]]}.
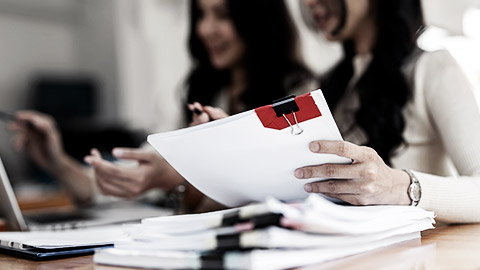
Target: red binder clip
{"points": [[288, 112], [287, 105]]}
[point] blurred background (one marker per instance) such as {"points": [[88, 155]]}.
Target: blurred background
{"points": [[110, 71]]}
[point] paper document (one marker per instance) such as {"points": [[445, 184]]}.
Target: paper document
{"points": [[272, 235], [251, 155], [313, 215]]}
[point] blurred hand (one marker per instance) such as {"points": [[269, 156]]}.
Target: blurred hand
{"points": [[130, 181], [37, 134], [367, 181], [204, 114]]}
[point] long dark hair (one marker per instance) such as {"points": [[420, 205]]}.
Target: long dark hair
{"points": [[271, 57], [383, 89]]}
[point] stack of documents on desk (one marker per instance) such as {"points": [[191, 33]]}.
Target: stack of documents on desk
{"points": [[272, 235]]}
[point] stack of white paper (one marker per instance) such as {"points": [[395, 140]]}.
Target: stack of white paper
{"points": [[272, 235]]}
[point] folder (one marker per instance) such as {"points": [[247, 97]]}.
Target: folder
{"points": [[55, 244], [248, 156]]}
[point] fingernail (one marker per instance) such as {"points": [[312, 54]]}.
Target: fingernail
{"points": [[88, 160], [314, 147], [308, 188], [117, 152], [299, 174]]}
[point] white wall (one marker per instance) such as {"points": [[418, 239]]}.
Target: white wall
{"points": [[31, 43], [95, 37], [447, 14], [153, 60]]}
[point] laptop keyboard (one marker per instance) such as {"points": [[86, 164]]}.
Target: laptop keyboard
{"points": [[59, 217]]}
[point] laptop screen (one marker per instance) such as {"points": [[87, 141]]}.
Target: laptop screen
{"points": [[8, 203]]}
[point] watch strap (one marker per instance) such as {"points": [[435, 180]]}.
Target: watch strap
{"points": [[414, 189]]}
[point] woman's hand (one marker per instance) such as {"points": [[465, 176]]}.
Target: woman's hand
{"points": [[204, 114], [367, 181], [37, 133], [120, 180]]}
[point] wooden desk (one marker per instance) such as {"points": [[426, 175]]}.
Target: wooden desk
{"points": [[3, 225], [452, 247]]}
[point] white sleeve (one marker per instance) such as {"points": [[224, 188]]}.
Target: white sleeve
{"points": [[454, 110]]}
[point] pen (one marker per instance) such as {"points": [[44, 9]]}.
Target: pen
{"points": [[7, 117], [10, 117], [197, 111]]}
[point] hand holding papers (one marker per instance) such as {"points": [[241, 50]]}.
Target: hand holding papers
{"points": [[251, 155]]}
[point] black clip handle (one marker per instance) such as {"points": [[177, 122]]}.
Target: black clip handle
{"points": [[286, 105]]}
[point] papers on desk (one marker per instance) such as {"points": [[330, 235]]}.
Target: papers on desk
{"points": [[271, 235], [249, 156], [63, 239], [43, 244]]}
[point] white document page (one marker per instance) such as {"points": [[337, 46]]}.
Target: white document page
{"points": [[237, 160]]}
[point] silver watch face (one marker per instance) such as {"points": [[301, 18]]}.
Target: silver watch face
{"points": [[415, 192]]}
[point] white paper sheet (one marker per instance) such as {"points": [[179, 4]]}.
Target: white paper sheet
{"points": [[237, 160]]}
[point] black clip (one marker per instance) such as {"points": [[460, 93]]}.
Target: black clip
{"points": [[285, 106]]}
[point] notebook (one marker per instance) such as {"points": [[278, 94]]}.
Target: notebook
{"points": [[47, 245]]}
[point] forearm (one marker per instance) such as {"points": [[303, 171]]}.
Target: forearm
{"points": [[193, 200], [209, 205], [76, 178]]}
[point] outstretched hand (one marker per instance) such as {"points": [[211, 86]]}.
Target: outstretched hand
{"points": [[37, 133], [150, 171]]}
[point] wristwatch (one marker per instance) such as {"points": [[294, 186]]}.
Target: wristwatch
{"points": [[174, 198], [414, 190]]}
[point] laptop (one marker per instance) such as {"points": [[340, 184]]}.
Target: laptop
{"points": [[98, 215]]}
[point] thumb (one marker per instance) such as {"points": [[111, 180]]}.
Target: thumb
{"points": [[215, 113], [138, 154]]}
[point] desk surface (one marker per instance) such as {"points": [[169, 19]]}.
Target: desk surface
{"points": [[447, 247]]}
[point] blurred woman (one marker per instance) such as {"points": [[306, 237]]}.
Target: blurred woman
{"points": [[244, 55], [407, 109]]}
